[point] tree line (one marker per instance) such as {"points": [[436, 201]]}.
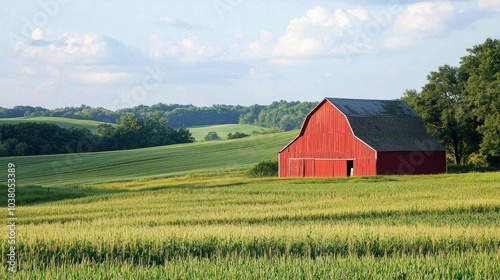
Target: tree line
{"points": [[280, 115], [131, 133], [460, 105]]}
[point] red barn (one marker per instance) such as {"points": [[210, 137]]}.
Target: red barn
{"points": [[354, 137]]}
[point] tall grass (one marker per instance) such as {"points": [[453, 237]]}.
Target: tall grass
{"points": [[149, 245], [214, 226], [477, 266]]}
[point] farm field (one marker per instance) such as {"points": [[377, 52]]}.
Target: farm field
{"points": [[213, 226], [189, 211], [222, 130], [61, 122]]}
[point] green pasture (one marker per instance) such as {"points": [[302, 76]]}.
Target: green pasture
{"points": [[61, 122], [199, 132], [172, 160]]}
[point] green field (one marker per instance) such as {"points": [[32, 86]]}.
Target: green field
{"points": [[189, 212], [61, 122], [172, 160], [222, 130]]}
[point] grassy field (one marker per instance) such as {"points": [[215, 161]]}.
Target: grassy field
{"points": [[172, 160], [222, 130], [209, 226], [189, 212], [62, 122]]}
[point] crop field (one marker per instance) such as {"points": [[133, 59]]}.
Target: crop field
{"points": [[211, 226], [222, 130], [189, 212], [61, 122]]}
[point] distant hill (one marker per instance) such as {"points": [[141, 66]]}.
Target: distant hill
{"points": [[199, 132], [61, 122], [283, 115]]}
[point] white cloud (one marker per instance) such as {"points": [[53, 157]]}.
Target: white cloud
{"points": [[37, 34], [321, 32], [489, 4], [29, 71], [71, 48], [176, 23], [76, 48], [186, 50], [360, 13], [192, 50], [421, 20], [262, 47], [104, 77], [78, 59]]}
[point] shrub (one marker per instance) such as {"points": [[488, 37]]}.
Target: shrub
{"points": [[237, 135], [212, 135], [265, 168]]}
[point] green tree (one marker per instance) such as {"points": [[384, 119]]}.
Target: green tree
{"points": [[4, 150], [21, 149], [105, 130], [442, 106], [128, 132], [212, 135], [482, 68]]}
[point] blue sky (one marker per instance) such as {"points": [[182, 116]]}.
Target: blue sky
{"points": [[115, 54]]}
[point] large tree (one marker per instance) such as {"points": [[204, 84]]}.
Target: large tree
{"points": [[443, 108], [482, 92], [461, 105]]}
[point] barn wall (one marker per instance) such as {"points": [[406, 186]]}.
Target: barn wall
{"points": [[325, 144], [415, 162]]}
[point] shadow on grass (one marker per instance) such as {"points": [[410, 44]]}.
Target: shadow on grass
{"points": [[466, 168], [31, 195], [342, 180], [193, 186]]}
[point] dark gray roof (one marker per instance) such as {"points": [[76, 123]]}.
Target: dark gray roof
{"points": [[373, 108], [386, 125]]}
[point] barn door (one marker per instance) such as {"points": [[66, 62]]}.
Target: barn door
{"points": [[339, 168], [309, 168], [301, 167], [323, 168], [296, 168]]}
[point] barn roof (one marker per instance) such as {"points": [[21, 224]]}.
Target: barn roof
{"points": [[386, 125], [374, 108]]}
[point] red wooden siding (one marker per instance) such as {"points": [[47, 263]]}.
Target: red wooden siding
{"points": [[324, 146], [414, 162]]}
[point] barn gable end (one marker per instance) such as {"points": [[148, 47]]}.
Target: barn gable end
{"points": [[342, 137]]}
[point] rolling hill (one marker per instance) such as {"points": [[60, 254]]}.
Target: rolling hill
{"points": [[181, 159], [62, 122], [222, 130]]}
